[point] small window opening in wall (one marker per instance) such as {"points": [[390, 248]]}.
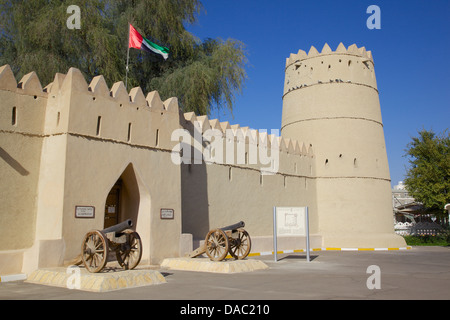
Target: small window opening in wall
{"points": [[14, 116], [229, 174], [157, 137], [129, 132], [340, 156], [349, 63], [260, 179], [326, 161], [99, 124], [355, 163], [58, 117], [329, 67]]}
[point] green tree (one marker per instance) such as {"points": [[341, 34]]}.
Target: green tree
{"points": [[202, 74], [428, 177]]}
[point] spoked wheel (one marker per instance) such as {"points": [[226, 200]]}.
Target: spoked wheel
{"points": [[240, 245], [94, 251], [217, 245], [129, 254]]}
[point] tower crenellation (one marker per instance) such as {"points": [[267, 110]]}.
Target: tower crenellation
{"points": [[344, 65]]}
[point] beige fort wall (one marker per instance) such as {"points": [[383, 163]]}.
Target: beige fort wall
{"points": [[244, 187], [90, 137], [331, 99]]}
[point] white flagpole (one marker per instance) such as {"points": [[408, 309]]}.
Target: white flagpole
{"points": [[128, 57]]}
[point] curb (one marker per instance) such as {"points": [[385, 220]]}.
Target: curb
{"points": [[268, 253], [13, 277]]}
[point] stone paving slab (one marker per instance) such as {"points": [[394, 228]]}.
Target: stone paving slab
{"points": [[206, 265], [95, 282]]}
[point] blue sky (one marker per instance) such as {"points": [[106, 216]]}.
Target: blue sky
{"points": [[411, 53]]}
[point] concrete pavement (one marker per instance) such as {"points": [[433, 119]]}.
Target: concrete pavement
{"points": [[418, 273]]}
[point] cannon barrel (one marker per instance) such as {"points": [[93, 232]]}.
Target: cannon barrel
{"points": [[119, 227], [235, 226]]}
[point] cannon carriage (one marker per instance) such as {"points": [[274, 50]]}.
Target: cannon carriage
{"points": [[99, 246], [220, 242]]}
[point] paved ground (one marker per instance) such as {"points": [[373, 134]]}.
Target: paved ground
{"points": [[419, 273]]}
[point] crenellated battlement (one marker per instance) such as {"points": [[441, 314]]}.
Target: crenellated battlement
{"points": [[344, 66], [70, 105], [245, 147], [352, 50]]}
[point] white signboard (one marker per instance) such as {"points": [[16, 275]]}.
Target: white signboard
{"points": [[84, 212], [291, 221]]}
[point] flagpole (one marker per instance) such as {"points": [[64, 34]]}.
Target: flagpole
{"points": [[128, 57]]}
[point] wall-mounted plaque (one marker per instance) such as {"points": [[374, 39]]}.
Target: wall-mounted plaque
{"points": [[85, 212], [167, 213]]}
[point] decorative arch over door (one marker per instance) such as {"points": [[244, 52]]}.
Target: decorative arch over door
{"points": [[129, 198]]}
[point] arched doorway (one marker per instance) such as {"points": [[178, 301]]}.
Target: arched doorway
{"points": [[129, 198], [112, 205]]}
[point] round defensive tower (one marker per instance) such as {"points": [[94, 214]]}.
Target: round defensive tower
{"points": [[331, 100]]}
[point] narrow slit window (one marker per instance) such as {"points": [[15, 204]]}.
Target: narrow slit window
{"points": [[229, 174], [58, 117], [157, 138], [129, 132], [99, 124], [14, 116]]}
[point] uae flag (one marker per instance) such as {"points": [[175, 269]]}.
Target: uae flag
{"points": [[139, 42]]}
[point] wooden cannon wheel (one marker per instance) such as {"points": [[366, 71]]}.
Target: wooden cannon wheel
{"points": [[240, 244], [129, 254], [217, 245], [94, 251]]}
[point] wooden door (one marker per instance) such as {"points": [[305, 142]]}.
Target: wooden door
{"points": [[112, 206]]}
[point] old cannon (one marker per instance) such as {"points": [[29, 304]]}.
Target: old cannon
{"points": [[98, 245], [219, 242]]}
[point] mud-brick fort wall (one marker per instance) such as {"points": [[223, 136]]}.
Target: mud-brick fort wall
{"points": [[22, 114], [66, 145], [219, 192]]}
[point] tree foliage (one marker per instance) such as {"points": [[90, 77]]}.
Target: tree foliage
{"points": [[428, 177], [202, 74]]}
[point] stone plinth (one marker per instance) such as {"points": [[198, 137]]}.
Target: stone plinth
{"points": [[206, 265], [95, 282]]}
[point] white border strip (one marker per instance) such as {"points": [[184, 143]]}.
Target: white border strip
{"points": [[268, 253], [13, 277]]}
